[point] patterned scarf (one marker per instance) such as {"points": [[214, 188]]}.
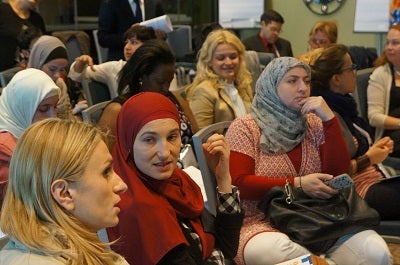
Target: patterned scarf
{"points": [[282, 128]]}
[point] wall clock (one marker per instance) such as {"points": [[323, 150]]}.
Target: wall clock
{"points": [[323, 7]]}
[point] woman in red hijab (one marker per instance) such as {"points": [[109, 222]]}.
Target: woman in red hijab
{"points": [[163, 219]]}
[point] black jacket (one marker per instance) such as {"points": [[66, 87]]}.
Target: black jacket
{"points": [[115, 18], [254, 43]]}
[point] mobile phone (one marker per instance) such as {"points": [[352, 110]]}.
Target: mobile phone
{"points": [[340, 182]]}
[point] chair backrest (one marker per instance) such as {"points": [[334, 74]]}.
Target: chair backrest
{"points": [[7, 75], [364, 57], [95, 91], [207, 174], [265, 57], [254, 66], [360, 94], [101, 51], [77, 42], [185, 73], [180, 40], [93, 113]]}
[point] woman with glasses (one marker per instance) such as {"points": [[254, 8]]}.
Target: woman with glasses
{"points": [[384, 91], [333, 77], [322, 33]]}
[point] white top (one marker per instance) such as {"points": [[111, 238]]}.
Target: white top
{"points": [[106, 73], [237, 101]]}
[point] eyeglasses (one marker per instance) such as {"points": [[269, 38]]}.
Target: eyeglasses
{"points": [[392, 42], [275, 29], [319, 41], [353, 67]]}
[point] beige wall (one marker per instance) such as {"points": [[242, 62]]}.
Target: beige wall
{"points": [[299, 20]]}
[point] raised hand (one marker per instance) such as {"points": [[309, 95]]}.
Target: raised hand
{"points": [[216, 151], [82, 62], [318, 106]]}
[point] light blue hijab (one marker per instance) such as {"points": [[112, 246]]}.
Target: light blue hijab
{"points": [[21, 97]]}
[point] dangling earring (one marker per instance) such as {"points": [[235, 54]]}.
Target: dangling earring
{"points": [[140, 82]]}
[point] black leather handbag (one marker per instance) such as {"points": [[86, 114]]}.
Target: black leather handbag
{"points": [[317, 223]]}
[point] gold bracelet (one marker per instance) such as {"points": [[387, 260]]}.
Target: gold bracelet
{"points": [[300, 187]]}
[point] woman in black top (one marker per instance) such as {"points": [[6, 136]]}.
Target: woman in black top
{"points": [[151, 68], [16, 16]]}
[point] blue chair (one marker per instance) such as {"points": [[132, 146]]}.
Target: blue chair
{"points": [[360, 94], [180, 40], [95, 92], [207, 174], [7, 75], [101, 51], [265, 57], [93, 113]]}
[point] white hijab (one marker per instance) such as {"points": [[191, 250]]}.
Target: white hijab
{"points": [[21, 97]]}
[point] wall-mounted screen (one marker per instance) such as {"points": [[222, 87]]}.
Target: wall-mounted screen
{"points": [[239, 13], [372, 16]]}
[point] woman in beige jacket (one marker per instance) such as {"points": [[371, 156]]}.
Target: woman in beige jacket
{"points": [[221, 90]]}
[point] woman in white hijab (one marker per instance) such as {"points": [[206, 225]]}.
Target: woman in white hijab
{"points": [[49, 54], [30, 96]]}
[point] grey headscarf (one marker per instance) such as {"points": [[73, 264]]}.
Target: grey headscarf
{"points": [[43, 48], [282, 128]]}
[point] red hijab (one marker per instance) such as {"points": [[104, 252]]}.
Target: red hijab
{"points": [[148, 227]]}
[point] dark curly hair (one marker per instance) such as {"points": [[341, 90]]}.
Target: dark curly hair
{"points": [[144, 61]]}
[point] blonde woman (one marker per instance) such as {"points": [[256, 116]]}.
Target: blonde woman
{"points": [[221, 90], [62, 189], [322, 33]]}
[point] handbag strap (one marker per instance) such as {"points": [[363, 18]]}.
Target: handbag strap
{"points": [[289, 193], [291, 199]]}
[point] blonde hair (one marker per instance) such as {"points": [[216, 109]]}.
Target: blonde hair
{"points": [[204, 72], [49, 150], [381, 60], [326, 26], [311, 56]]}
